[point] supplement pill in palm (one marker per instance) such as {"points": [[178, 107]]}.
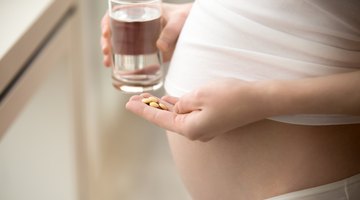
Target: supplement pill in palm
{"points": [[162, 106], [154, 104]]}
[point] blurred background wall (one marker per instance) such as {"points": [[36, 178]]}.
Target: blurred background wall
{"points": [[89, 148], [132, 159]]}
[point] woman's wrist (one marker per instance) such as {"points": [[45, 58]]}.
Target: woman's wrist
{"points": [[288, 97], [270, 98], [253, 101], [334, 94]]}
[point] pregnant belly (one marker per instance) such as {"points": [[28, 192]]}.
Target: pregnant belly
{"points": [[266, 159]]}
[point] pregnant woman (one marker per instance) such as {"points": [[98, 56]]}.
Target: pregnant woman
{"points": [[264, 98]]}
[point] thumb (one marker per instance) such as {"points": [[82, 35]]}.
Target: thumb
{"points": [[187, 104]]}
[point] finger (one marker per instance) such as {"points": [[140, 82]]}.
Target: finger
{"points": [[184, 124], [136, 98], [167, 9], [163, 20], [166, 56], [170, 33], [105, 46], [106, 31], [107, 61], [168, 105], [105, 40], [105, 25], [106, 50], [146, 95], [170, 99], [163, 44], [164, 119], [187, 103]]}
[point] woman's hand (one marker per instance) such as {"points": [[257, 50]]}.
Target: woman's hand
{"points": [[226, 104], [211, 110], [105, 40], [173, 19]]}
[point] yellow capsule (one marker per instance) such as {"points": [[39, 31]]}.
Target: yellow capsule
{"points": [[153, 99], [154, 104], [146, 100], [162, 106]]}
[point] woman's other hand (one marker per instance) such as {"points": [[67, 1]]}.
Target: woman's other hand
{"points": [[105, 40], [173, 19], [213, 109]]}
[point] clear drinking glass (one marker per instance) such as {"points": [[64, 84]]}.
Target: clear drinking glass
{"points": [[135, 26]]}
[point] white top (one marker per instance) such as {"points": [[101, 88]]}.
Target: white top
{"points": [[267, 39]]}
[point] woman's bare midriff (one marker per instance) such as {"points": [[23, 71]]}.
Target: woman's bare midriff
{"points": [[266, 159]]}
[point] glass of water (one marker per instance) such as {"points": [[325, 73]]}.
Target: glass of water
{"points": [[135, 28]]}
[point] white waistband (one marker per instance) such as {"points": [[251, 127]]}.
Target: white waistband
{"points": [[346, 189]]}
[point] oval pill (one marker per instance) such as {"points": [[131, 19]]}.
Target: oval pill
{"points": [[146, 100], [153, 99], [154, 104], [162, 106]]}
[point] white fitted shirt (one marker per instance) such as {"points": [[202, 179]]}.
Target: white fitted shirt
{"points": [[267, 39]]}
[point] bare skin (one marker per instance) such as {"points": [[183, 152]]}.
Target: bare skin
{"points": [[266, 159], [223, 144], [258, 160]]}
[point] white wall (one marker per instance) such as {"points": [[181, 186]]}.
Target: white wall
{"points": [[38, 151]]}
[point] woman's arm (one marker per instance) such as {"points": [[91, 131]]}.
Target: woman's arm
{"points": [[334, 94], [223, 105]]}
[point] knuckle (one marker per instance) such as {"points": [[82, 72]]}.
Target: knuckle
{"points": [[192, 136], [162, 44], [106, 61], [171, 32], [198, 94], [179, 107], [182, 15], [105, 50], [105, 31], [193, 133]]}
